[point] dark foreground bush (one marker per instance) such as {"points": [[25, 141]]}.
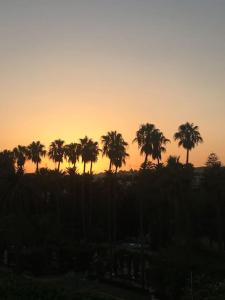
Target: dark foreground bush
{"points": [[13, 287], [181, 274]]}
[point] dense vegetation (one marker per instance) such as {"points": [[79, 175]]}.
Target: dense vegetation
{"points": [[162, 226]]}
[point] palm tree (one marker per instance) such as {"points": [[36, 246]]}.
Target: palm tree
{"points": [[144, 139], [159, 143], [85, 151], [56, 152], [188, 137], [72, 153], [35, 153], [107, 141], [93, 152], [86, 157], [120, 154], [20, 155], [114, 147]]}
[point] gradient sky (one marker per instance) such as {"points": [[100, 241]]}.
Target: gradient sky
{"points": [[74, 67]]}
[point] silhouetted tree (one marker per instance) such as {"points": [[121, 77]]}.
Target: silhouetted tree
{"points": [[7, 163], [85, 151], [159, 143], [72, 153], [173, 161], [107, 150], [56, 152], [144, 139], [119, 151], [213, 161], [35, 153], [188, 137], [93, 152], [20, 154], [114, 147]]}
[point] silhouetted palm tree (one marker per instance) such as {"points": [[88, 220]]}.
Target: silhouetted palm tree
{"points": [[86, 157], [120, 154], [144, 139], [85, 151], [72, 153], [114, 147], [20, 154], [35, 153], [188, 137], [159, 143], [107, 141], [93, 152], [56, 152]]}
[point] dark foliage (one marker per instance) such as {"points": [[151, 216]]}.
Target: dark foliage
{"points": [[152, 228]]}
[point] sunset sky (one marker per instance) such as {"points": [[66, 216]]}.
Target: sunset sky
{"points": [[70, 68]]}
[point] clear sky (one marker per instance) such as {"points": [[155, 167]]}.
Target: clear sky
{"points": [[74, 67]]}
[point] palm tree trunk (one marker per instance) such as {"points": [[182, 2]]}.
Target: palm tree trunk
{"points": [[116, 168], [91, 168], [58, 166], [110, 165], [84, 167], [158, 161], [145, 162], [37, 167], [187, 158]]}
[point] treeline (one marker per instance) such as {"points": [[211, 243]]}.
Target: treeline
{"points": [[150, 140]]}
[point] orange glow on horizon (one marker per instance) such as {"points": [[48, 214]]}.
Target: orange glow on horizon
{"points": [[133, 161]]}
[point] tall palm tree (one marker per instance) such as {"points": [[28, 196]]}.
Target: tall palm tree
{"points": [[72, 153], [144, 139], [159, 143], [35, 153], [120, 154], [114, 147], [107, 142], [85, 151], [20, 155], [188, 137], [93, 152], [56, 152]]}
